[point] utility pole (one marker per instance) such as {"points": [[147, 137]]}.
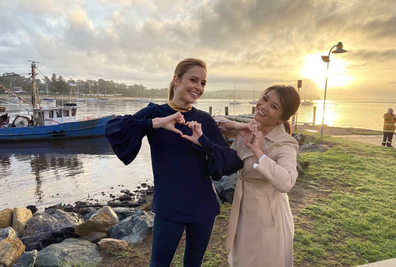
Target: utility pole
{"points": [[35, 95]]}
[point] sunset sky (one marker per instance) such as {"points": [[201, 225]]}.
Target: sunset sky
{"points": [[245, 43]]}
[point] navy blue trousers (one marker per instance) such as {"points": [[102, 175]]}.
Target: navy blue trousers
{"points": [[166, 238]]}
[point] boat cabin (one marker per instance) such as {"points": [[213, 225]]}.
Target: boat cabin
{"points": [[55, 115]]}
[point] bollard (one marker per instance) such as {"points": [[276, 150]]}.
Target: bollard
{"points": [[253, 110], [226, 111], [314, 115], [210, 111]]}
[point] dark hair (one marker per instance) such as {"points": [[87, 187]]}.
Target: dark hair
{"points": [[290, 101], [183, 67]]}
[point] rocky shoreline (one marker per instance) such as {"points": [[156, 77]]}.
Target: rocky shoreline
{"points": [[67, 234], [72, 233]]}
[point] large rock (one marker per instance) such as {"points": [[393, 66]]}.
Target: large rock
{"points": [[19, 219], [71, 251], [300, 138], [134, 228], [28, 258], [10, 251], [123, 213], [53, 225], [100, 222], [109, 211], [5, 218], [7, 232], [111, 244], [94, 237], [225, 187]]}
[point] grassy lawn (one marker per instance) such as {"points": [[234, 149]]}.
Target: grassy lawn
{"points": [[352, 221]]}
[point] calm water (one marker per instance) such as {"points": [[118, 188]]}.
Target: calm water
{"points": [[48, 173]]}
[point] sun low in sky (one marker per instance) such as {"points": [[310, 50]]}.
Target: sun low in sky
{"points": [[252, 43], [315, 69]]}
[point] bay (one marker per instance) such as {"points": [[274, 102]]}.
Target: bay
{"points": [[48, 173]]}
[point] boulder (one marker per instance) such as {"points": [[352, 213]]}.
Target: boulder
{"points": [[11, 248], [111, 244], [53, 225], [28, 258], [7, 232], [134, 228], [5, 218], [109, 211], [99, 222], [19, 219], [72, 251], [94, 237], [123, 213], [225, 187]]}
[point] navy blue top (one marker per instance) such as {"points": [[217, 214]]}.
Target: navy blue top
{"points": [[183, 190]]}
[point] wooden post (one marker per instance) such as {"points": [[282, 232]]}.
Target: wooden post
{"points": [[314, 116], [210, 110], [226, 111]]}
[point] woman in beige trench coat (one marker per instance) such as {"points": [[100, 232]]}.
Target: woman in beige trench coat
{"points": [[261, 225]]}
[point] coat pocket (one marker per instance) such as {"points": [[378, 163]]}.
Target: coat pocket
{"points": [[266, 212]]}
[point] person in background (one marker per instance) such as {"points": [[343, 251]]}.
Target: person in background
{"points": [[389, 128], [261, 227], [187, 153]]}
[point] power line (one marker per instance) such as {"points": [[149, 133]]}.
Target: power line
{"points": [[12, 67]]}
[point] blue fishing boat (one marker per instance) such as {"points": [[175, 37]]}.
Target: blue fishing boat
{"points": [[49, 122]]}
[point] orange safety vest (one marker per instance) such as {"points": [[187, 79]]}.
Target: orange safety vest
{"points": [[389, 123]]}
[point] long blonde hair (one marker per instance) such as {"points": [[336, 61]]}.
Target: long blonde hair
{"points": [[181, 68]]}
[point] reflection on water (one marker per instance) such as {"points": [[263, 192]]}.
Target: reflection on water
{"points": [[46, 173]]}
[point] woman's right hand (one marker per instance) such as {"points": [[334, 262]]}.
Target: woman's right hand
{"points": [[245, 130], [169, 122]]}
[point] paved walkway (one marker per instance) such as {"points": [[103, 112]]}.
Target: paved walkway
{"points": [[385, 263], [370, 139]]}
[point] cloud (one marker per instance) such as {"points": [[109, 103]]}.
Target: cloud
{"points": [[246, 43]]}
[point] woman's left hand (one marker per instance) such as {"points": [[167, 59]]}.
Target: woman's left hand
{"points": [[196, 132]]}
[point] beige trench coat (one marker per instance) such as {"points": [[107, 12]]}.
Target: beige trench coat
{"points": [[261, 227]]}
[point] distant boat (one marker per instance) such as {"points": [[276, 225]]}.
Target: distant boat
{"points": [[48, 101], [49, 122], [308, 102], [234, 102], [253, 102], [144, 100]]}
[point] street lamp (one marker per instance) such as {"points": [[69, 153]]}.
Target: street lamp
{"points": [[327, 60]]}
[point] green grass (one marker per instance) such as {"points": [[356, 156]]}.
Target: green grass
{"points": [[353, 222]]}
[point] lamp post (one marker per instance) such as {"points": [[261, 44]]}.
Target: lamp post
{"points": [[299, 83], [327, 60]]}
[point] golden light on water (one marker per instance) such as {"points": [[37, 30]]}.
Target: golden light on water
{"points": [[315, 69]]}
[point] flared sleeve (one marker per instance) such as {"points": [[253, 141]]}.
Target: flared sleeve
{"points": [[221, 159], [125, 134]]}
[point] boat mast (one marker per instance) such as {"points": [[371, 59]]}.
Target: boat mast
{"points": [[35, 96]]}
